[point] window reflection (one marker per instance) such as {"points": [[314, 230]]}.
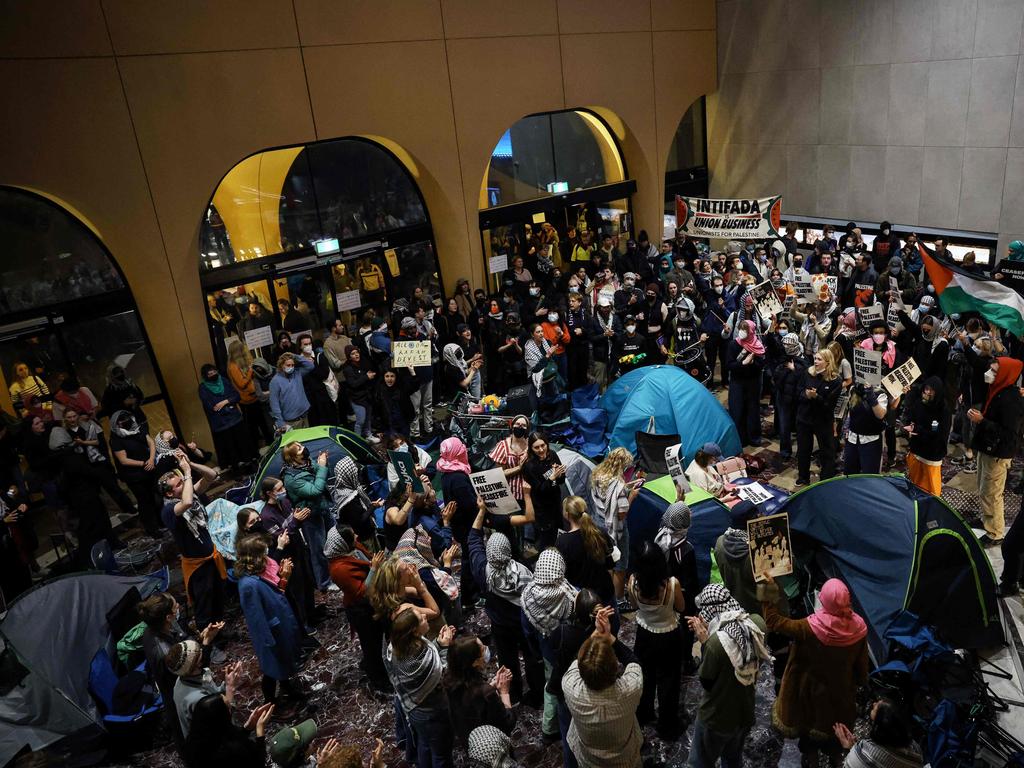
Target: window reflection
{"points": [[97, 345], [417, 269], [49, 256]]}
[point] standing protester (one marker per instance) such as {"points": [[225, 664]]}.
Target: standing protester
{"points": [[745, 357], [612, 497], [545, 474], [997, 440], [288, 402], [863, 452], [135, 454], [732, 650], [359, 378], [231, 438], [306, 487], [819, 391], [928, 422], [453, 464]]}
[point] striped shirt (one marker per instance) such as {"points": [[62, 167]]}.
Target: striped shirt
{"points": [[505, 457]]}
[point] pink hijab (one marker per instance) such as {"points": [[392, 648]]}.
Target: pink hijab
{"points": [[752, 343], [889, 355], [454, 457], [835, 623]]}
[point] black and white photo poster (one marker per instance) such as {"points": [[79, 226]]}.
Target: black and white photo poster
{"points": [[771, 551]]}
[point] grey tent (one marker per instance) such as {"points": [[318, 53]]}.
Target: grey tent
{"points": [[47, 641]]}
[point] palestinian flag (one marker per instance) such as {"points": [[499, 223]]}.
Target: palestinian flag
{"points": [[961, 291]]}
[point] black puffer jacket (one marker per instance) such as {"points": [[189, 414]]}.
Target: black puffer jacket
{"points": [[931, 422]]}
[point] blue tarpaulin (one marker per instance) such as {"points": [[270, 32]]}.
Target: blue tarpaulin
{"points": [[679, 404]]}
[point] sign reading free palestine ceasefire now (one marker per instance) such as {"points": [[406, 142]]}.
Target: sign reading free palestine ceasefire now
{"points": [[729, 219]]}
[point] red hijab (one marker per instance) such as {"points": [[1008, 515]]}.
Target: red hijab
{"points": [[1006, 376], [835, 623]]}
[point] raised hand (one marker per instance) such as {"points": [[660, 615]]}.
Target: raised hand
{"points": [[327, 750], [446, 635], [450, 554]]}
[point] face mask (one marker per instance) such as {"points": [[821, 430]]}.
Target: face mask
{"points": [[742, 335], [289, 369], [519, 432], [885, 232], [650, 297], [281, 496], [878, 338], [552, 317], [895, 270], [487, 655], [931, 289], [629, 283], [535, 291], [783, 331], [718, 289], [307, 348], [630, 329], [574, 289], [211, 377], [172, 443], [990, 376]]}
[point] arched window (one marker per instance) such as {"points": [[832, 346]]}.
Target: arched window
{"points": [[67, 313], [294, 237], [560, 172], [686, 171]]}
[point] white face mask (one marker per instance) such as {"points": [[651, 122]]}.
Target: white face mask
{"points": [[552, 317], [742, 335], [630, 329], [718, 289], [535, 291], [990, 376], [289, 369], [307, 348]]}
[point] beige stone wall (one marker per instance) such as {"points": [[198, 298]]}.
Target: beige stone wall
{"points": [[132, 110]]}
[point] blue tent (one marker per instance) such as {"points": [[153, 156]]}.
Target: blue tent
{"points": [[898, 548], [679, 404]]}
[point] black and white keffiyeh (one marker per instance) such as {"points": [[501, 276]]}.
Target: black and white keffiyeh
{"points": [[549, 598], [675, 524], [506, 577], [740, 637], [489, 747]]}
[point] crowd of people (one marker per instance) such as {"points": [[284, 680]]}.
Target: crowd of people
{"points": [[556, 579]]}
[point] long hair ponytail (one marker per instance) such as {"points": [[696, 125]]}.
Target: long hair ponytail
{"points": [[575, 510]]}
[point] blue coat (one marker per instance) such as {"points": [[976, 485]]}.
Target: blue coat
{"points": [[226, 417], [272, 627]]}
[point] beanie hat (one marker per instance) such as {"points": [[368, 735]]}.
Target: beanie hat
{"points": [[189, 661]]}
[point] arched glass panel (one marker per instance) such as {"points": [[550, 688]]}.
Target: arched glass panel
{"points": [[551, 154], [49, 257]]}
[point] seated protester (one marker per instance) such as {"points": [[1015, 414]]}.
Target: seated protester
{"points": [[353, 570], [194, 681], [659, 599], [603, 704], [487, 747], [472, 700], [786, 377], [461, 376], [305, 485], [282, 534], [547, 601], [416, 666], [544, 472], [888, 743], [273, 630], [202, 567], [359, 378], [392, 410], [733, 649], [587, 551], [231, 440], [404, 509], [400, 443], [352, 507], [829, 657], [927, 422], [629, 350], [159, 613], [612, 497], [135, 454], [215, 741], [682, 560], [701, 471], [863, 451], [502, 580]]}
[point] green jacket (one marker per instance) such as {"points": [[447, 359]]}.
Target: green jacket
{"points": [[307, 487]]}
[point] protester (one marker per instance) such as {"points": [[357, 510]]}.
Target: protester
{"points": [[928, 422], [889, 741], [453, 464], [472, 700], [288, 402], [306, 487], [587, 551], [828, 662], [612, 497], [814, 417], [544, 472]]}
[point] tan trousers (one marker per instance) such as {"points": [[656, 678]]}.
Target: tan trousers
{"points": [[991, 484]]}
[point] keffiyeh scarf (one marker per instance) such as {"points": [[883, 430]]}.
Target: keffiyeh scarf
{"points": [[414, 548], [489, 747], [742, 640], [506, 577], [675, 524], [549, 598]]}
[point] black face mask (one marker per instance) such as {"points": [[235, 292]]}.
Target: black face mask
{"points": [[519, 432], [173, 442]]}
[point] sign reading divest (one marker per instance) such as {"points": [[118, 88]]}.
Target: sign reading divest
{"points": [[867, 366], [493, 489], [410, 353], [730, 219], [405, 466]]}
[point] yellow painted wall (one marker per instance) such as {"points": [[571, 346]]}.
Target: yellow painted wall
{"points": [[133, 112]]}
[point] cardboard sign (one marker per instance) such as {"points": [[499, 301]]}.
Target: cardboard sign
{"points": [[766, 300], [771, 551], [867, 366], [892, 317], [348, 301], [901, 377], [410, 353], [498, 263], [842, 404], [804, 287], [755, 493], [405, 466], [674, 460], [259, 337], [831, 281], [787, 309], [870, 314], [492, 486]]}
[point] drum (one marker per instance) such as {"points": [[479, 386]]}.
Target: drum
{"points": [[692, 361]]}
